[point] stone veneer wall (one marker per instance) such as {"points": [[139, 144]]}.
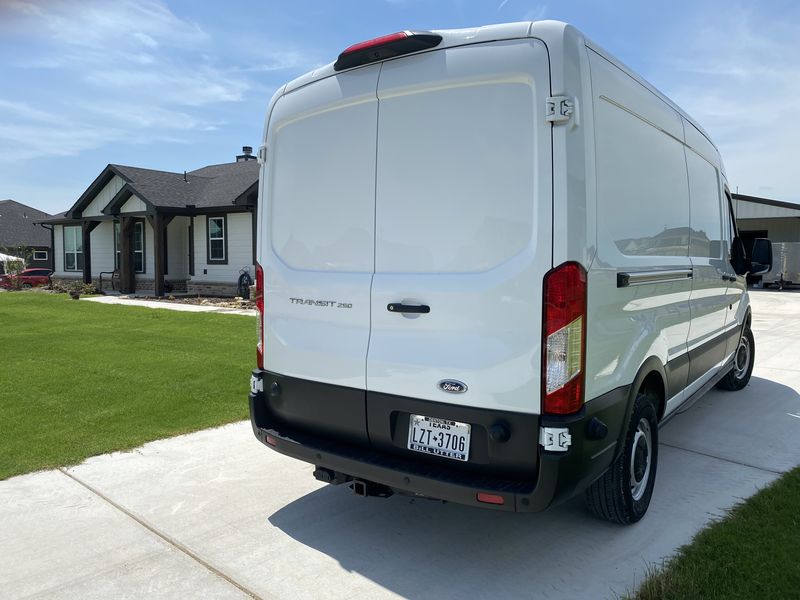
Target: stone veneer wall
{"points": [[208, 288], [66, 279], [146, 286]]}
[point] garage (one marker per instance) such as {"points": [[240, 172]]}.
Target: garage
{"points": [[778, 221]]}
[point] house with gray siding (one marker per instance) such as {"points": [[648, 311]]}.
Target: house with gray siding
{"points": [[20, 234], [159, 232]]}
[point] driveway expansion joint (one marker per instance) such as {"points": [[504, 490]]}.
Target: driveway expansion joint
{"points": [[727, 460], [166, 538]]}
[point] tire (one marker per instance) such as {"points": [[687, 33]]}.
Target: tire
{"points": [[26, 286], [743, 360], [623, 493]]}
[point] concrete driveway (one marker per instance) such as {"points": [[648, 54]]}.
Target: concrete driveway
{"points": [[215, 514]]}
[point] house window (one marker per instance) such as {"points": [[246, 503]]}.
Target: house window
{"points": [[116, 245], [40, 255], [73, 249], [138, 246], [217, 240]]}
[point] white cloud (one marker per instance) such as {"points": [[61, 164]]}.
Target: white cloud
{"points": [[278, 60], [175, 86], [145, 39], [110, 25], [26, 111], [25, 8], [740, 79], [536, 13], [32, 141], [127, 70]]}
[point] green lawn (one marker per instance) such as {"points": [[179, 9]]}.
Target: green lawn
{"points": [[80, 378], [754, 552]]}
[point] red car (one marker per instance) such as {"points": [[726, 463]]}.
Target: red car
{"points": [[27, 278]]}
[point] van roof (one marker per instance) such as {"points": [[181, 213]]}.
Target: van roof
{"points": [[555, 34]]}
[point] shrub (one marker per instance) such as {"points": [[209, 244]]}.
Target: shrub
{"points": [[73, 287]]}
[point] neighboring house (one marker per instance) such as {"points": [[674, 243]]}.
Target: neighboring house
{"points": [[19, 234], [162, 232]]}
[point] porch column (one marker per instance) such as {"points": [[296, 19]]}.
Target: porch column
{"points": [[159, 222], [127, 276], [86, 229]]}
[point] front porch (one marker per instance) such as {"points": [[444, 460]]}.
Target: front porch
{"points": [[150, 254]]}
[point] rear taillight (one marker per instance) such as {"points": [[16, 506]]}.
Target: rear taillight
{"points": [[384, 47], [260, 316], [564, 339]]}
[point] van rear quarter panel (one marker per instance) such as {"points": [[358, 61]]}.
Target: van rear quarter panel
{"points": [[642, 220]]}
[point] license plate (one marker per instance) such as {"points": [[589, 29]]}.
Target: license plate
{"points": [[441, 437]]}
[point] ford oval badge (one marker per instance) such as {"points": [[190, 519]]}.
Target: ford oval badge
{"points": [[452, 386]]}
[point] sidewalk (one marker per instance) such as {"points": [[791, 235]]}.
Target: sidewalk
{"points": [[171, 305]]}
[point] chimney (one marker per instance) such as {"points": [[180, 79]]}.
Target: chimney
{"points": [[247, 154]]}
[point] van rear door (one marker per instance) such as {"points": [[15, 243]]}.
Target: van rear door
{"points": [[317, 249], [463, 226]]}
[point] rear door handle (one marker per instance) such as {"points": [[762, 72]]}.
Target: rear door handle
{"points": [[408, 308]]}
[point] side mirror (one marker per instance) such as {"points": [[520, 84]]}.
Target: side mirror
{"points": [[739, 260], [762, 257]]}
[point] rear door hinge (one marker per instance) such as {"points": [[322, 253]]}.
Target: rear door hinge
{"points": [[558, 109], [262, 154]]}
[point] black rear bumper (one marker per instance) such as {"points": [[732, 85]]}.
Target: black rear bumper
{"points": [[526, 483]]}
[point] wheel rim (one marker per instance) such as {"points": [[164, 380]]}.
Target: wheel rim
{"points": [[741, 360], [641, 458]]}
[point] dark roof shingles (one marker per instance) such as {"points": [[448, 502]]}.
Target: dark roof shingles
{"points": [[17, 225], [216, 185]]}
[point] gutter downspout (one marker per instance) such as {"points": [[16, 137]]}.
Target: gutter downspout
{"points": [[52, 260]]}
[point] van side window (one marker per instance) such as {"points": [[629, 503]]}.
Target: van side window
{"points": [[705, 215], [731, 219], [642, 192]]}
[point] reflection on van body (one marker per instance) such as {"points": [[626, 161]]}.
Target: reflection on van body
{"points": [[670, 242]]}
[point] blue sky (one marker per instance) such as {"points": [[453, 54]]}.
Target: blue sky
{"points": [[176, 85]]}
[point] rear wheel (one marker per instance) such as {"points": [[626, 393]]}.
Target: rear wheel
{"points": [[743, 360], [26, 286], [623, 493]]}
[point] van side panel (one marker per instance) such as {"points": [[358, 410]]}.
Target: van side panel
{"points": [[642, 226], [709, 307], [574, 193]]}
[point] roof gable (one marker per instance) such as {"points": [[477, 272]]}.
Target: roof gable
{"points": [[105, 177], [214, 186]]}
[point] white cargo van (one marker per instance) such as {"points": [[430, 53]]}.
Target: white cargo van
{"points": [[492, 261]]}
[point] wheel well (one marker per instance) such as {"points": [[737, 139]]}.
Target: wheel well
{"points": [[654, 384]]}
